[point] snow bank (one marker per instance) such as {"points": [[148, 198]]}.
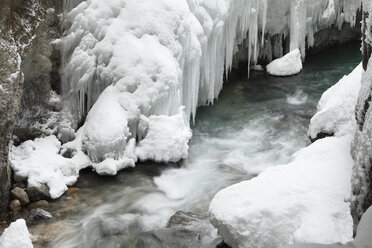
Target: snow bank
{"points": [[16, 236], [125, 61], [288, 65], [336, 108], [39, 162], [302, 201]]}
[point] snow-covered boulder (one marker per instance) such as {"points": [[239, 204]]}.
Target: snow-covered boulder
{"points": [[16, 236], [288, 65], [40, 162], [300, 202], [336, 108]]}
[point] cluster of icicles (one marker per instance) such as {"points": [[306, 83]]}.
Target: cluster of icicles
{"points": [[148, 58]]}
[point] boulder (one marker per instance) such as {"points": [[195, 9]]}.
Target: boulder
{"points": [[43, 204], [38, 193], [38, 215], [20, 195]]}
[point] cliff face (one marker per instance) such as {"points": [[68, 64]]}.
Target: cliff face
{"points": [[362, 146], [28, 65]]}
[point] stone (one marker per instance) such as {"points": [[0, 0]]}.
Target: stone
{"points": [[38, 215], [43, 204], [20, 195], [38, 193], [72, 190], [181, 218], [15, 206], [184, 230]]}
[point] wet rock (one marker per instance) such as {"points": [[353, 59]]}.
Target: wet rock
{"points": [[38, 193], [184, 230], [72, 190], [43, 204], [181, 218], [38, 215], [15, 206], [20, 195]]}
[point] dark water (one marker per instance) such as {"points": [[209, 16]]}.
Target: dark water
{"points": [[255, 124]]}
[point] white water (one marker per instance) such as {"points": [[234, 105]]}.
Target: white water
{"points": [[251, 127]]}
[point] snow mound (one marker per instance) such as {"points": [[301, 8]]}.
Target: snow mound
{"points": [[299, 202], [16, 236], [166, 140], [40, 162], [288, 65], [336, 108]]}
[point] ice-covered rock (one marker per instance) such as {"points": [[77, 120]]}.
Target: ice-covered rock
{"points": [[16, 236], [303, 201], [336, 108], [288, 65]]}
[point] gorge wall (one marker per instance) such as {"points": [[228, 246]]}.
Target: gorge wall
{"points": [[28, 72], [362, 146]]}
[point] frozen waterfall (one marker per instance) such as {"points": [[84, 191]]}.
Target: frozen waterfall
{"points": [[134, 72]]}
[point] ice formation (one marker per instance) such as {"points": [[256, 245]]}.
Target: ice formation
{"points": [[336, 108], [16, 236], [126, 61], [303, 201], [288, 65]]}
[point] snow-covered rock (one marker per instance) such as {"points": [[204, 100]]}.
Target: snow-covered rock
{"points": [[16, 236], [288, 65], [303, 201], [336, 108], [40, 162]]}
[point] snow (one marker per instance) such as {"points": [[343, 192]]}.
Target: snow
{"points": [[126, 61], [288, 65], [166, 139], [336, 108], [16, 236], [302, 201], [39, 162]]}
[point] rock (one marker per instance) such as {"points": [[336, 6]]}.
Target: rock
{"points": [[15, 206], [20, 195], [43, 204], [181, 218], [38, 215], [184, 230], [38, 193]]}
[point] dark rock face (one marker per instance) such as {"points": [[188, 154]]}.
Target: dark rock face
{"points": [[38, 215], [26, 72], [362, 145]]}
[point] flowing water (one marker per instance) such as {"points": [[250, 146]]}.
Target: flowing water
{"points": [[256, 123]]}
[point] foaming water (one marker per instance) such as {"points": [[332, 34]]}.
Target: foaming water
{"points": [[255, 124]]}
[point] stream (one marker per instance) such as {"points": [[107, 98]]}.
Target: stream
{"points": [[256, 123]]}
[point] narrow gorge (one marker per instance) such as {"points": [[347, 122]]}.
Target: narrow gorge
{"points": [[185, 123]]}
